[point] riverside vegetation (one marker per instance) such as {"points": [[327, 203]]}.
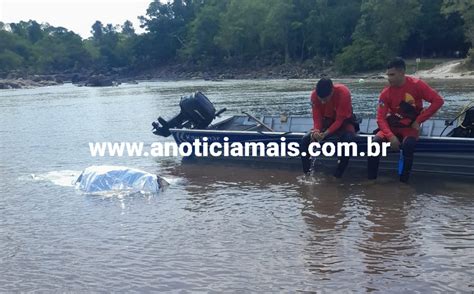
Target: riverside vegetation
{"points": [[221, 39]]}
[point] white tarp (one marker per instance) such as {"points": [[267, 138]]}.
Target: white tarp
{"points": [[111, 178]]}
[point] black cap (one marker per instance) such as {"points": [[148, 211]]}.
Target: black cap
{"points": [[324, 87]]}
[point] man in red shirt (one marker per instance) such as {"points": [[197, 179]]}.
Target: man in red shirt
{"points": [[399, 115], [332, 117]]}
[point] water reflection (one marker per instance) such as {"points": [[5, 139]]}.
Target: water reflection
{"points": [[211, 185], [326, 219], [389, 245], [364, 233]]}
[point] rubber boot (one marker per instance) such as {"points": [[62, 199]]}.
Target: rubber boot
{"points": [[405, 162]]}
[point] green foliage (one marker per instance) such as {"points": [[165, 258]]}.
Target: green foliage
{"points": [[41, 48], [358, 35], [201, 46], [383, 27], [278, 25], [127, 29], [428, 40], [61, 50], [466, 9], [362, 55], [330, 25], [166, 25], [240, 32], [9, 60], [97, 31]]}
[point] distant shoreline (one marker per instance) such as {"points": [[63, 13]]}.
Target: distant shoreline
{"points": [[440, 69]]}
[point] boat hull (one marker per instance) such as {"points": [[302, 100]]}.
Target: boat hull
{"points": [[433, 155]]}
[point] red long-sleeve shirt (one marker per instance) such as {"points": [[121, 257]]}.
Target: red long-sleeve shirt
{"points": [[413, 91], [338, 108]]}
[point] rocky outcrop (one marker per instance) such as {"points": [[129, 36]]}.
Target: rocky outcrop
{"points": [[99, 81], [26, 83]]}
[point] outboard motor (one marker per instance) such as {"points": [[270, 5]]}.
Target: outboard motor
{"points": [[466, 129], [197, 112]]}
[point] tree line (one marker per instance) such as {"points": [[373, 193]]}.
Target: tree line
{"points": [[356, 35]]}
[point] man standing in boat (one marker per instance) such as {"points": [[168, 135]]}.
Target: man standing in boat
{"points": [[399, 115], [332, 117]]}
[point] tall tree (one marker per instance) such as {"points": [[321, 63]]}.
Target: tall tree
{"points": [[388, 22], [201, 35], [240, 32], [380, 33], [466, 9], [61, 50], [105, 40], [97, 31], [34, 31], [330, 25], [9, 58], [428, 39], [166, 26], [127, 29], [278, 25]]}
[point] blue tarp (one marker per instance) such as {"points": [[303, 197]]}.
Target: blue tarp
{"points": [[111, 178]]}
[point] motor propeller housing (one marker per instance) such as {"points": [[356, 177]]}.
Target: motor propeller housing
{"points": [[197, 112]]}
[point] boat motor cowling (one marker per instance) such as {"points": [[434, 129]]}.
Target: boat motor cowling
{"points": [[197, 112]]}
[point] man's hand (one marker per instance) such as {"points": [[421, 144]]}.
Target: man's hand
{"points": [[324, 135], [415, 125], [318, 136], [315, 135], [394, 143]]}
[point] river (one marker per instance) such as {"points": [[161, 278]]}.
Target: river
{"points": [[218, 227]]}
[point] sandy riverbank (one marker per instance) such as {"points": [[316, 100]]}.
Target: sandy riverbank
{"points": [[447, 70]]}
